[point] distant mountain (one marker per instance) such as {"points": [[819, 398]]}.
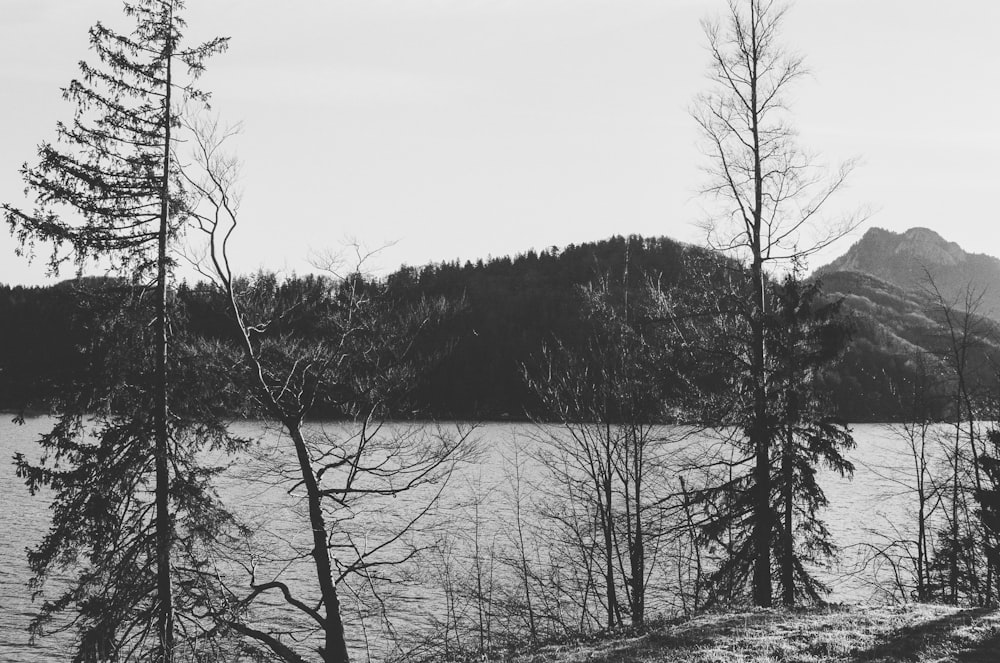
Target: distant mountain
{"points": [[886, 281], [912, 260]]}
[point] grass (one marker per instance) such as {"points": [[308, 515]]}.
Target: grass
{"points": [[850, 634]]}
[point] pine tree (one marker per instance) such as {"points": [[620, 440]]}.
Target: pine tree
{"points": [[804, 336], [128, 496]]}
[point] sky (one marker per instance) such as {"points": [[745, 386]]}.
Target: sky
{"points": [[462, 129]]}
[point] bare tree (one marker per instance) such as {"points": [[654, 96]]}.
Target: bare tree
{"points": [[769, 196], [339, 342], [609, 395], [964, 342], [917, 433]]}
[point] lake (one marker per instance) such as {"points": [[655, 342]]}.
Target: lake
{"points": [[870, 508]]}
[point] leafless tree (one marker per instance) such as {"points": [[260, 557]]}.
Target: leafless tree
{"points": [[964, 341], [335, 341], [917, 434], [611, 393]]}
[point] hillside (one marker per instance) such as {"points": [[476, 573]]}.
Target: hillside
{"points": [[514, 305], [899, 318]]}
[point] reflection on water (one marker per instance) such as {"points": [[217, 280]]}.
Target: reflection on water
{"points": [[874, 502]]}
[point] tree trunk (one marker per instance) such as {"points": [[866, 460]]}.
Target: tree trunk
{"points": [[609, 551], [921, 539], [638, 548], [164, 534], [759, 436], [953, 561], [760, 442], [788, 493], [524, 559], [335, 647], [609, 544]]}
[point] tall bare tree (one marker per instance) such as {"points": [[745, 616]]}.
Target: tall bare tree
{"points": [[768, 195], [336, 341]]}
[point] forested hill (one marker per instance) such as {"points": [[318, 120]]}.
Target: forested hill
{"points": [[511, 306], [514, 305]]}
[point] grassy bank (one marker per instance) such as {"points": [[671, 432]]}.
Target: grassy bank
{"points": [[885, 634]]}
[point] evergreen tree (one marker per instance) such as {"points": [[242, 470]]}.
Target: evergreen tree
{"points": [[804, 336], [128, 495]]}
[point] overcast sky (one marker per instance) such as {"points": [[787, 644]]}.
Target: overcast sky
{"points": [[469, 128]]}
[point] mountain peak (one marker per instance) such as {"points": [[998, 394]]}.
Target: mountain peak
{"points": [[884, 254], [929, 248], [909, 260], [919, 232]]}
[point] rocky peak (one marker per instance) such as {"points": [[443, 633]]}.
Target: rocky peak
{"points": [[909, 260], [886, 254], [926, 246]]}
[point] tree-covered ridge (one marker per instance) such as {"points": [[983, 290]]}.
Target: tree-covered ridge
{"points": [[509, 307], [896, 331], [514, 305]]}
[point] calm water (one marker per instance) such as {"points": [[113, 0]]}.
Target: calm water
{"points": [[862, 510]]}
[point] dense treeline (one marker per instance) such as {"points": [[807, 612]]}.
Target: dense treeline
{"points": [[509, 308], [45, 336], [513, 306]]}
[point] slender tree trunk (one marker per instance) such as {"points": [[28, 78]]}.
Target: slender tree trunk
{"points": [[638, 548], [520, 542], [921, 533], [788, 549], [480, 607], [760, 441], [953, 561], [692, 534], [609, 551], [524, 573], [164, 534], [759, 435], [609, 544]]}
